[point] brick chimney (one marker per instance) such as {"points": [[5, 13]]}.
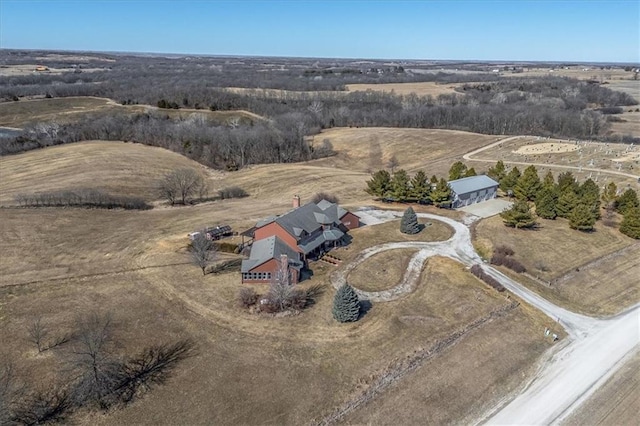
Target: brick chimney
{"points": [[296, 201]]}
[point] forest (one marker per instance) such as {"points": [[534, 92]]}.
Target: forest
{"points": [[484, 103]]}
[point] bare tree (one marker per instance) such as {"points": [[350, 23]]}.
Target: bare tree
{"points": [[40, 407], [203, 252], [98, 372], [392, 163], [11, 391], [182, 185], [37, 333], [281, 287]]}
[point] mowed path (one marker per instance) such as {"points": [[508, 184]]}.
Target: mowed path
{"points": [[574, 370], [468, 157]]}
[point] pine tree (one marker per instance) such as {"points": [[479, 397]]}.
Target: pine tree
{"points": [[471, 172], [610, 196], [528, 184], [581, 218], [420, 187], [346, 305], [400, 186], [379, 184], [409, 222], [567, 201], [630, 225], [549, 180], [628, 200], [497, 172], [589, 195], [441, 195], [546, 203], [566, 182], [433, 180], [518, 216], [509, 180], [457, 170]]}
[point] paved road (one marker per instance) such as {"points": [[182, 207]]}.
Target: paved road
{"points": [[574, 369]]}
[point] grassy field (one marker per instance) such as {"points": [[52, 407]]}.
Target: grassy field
{"points": [[604, 156], [251, 369], [369, 149], [381, 271], [105, 165], [62, 110], [630, 124], [559, 255], [420, 89]]}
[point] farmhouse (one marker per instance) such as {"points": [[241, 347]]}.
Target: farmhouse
{"points": [[306, 232], [471, 190]]}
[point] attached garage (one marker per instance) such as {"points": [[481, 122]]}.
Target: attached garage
{"points": [[471, 190]]}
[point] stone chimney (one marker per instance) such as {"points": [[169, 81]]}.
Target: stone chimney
{"points": [[296, 201]]}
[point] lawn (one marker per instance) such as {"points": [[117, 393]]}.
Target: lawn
{"points": [[381, 271]]}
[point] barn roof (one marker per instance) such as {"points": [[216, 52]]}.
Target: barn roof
{"points": [[472, 184], [267, 249]]}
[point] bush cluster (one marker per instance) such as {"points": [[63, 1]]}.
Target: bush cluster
{"points": [[232, 192], [479, 272], [84, 197], [502, 257]]}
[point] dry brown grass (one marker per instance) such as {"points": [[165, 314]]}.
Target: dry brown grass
{"points": [[116, 167], [431, 150], [420, 89], [555, 250], [604, 156], [62, 110], [381, 271], [250, 369], [630, 125]]}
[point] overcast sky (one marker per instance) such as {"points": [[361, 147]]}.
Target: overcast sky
{"points": [[546, 30]]}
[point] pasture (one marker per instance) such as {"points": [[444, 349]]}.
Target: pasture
{"points": [[63, 110], [257, 369], [420, 89]]}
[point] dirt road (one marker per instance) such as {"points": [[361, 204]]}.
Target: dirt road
{"points": [[468, 157], [573, 370]]}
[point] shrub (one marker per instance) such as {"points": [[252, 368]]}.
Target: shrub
{"points": [[226, 247], [479, 272], [502, 257], [83, 197], [247, 297], [504, 250], [232, 192]]}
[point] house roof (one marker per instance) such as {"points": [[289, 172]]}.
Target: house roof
{"points": [[472, 184], [267, 249]]}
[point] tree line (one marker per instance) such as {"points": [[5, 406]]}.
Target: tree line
{"points": [[566, 198]]}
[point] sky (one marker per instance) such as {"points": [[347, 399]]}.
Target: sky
{"points": [[515, 30]]}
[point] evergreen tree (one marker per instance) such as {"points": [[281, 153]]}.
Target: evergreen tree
{"points": [[630, 225], [497, 172], [610, 196], [471, 172], [441, 195], [566, 182], [589, 195], [628, 200], [546, 203], [457, 170], [346, 305], [528, 184], [509, 180], [549, 180], [567, 201], [420, 187], [433, 180], [380, 184], [400, 186], [409, 222], [518, 216], [581, 218]]}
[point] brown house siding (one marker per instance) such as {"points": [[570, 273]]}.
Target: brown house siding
{"points": [[268, 267], [274, 229], [350, 221]]}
